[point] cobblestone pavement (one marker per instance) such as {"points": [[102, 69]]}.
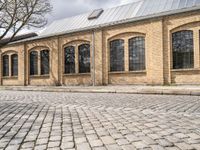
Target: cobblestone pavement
{"points": [[36, 120]]}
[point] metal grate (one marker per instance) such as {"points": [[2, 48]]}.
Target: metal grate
{"points": [[95, 14]]}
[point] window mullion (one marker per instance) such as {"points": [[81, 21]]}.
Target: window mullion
{"points": [[76, 60], [10, 66], [39, 63]]}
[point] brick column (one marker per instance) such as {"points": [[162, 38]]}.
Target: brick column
{"points": [[22, 66], [126, 55], [155, 53], [196, 48], [98, 48]]}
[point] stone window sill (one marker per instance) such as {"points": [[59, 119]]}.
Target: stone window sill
{"points": [[185, 70], [129, 72], [10, 78], [40, 76], [77, 74]]}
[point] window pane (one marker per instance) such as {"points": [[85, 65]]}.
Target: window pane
{"points": [[117, 55], [84, 58], [33, 63], [183, 50], [69, 59], [137, 54], [5, 65], [14, 62], [44, 54]]}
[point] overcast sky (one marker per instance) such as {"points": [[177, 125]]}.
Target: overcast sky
{"points": [[66, 8]]}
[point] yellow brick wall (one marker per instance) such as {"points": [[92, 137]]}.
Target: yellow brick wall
{"points": [[186, 21], [157, 33]]}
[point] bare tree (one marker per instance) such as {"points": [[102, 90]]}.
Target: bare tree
{"points": [[17, 14]]}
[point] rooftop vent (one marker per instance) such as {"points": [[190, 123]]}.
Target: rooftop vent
{"points": [[95, 14]]}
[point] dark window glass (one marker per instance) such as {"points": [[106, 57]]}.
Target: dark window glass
{"points": [[33, 63], [44, 55], [5, 65], [69, 59], [84, 58], [14, 63], [183, 50], [137, 54], [117, 55]]}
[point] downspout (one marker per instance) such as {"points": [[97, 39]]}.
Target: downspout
{"points": [[93, 58]]}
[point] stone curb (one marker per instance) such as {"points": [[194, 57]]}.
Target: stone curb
{"points": [[140, 91]]}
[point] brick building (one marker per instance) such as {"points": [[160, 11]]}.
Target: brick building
{"points": [[146, 42]]}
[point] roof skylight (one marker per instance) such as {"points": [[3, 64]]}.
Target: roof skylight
{"points": [[95, 14]]}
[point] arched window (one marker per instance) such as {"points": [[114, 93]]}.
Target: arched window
{"points": [[44, 55], [34, 63], [183, 49], [117, 55], [5, 65], [14, 65], [137, 54], [69, 53], [84, 58]]}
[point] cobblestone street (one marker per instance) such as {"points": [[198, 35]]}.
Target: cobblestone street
{"points": [[76, 121]]}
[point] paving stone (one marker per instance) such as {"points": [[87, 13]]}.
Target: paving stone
{"points": [[12, 147], [108, 140], [184, 146], [99, 148], [28, 145], [38, 120], [140, 145], [96, 143], [172, 148], [148, 140], [128, 147], [164, 143], [122, 142], [83, 146], [40, 147], [113, 147], [154, 136], [67, 145], [53, 144], [132, 138], [194, 136], [157, 147], [180, 135]]}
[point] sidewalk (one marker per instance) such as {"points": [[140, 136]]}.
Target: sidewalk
{"points": [[161, 90]]}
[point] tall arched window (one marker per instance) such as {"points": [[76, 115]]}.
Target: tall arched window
{"points": [[44, 55], [137, 54], [84, 58], [69, 53], [14, 65], [183, 49], [34, 63], [117, 55], [5, 65]]}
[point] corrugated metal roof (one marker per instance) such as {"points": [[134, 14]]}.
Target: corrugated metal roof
{"points": [[143, 9], [117, 14]]}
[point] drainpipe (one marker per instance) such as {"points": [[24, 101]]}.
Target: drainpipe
{"points": [[93, 57]]}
